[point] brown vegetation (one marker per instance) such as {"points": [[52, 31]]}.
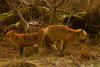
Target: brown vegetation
{"points": [[15, 18]]}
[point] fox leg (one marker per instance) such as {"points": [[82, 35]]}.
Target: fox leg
{"points": [[62, 48], [21, 50], [58, 46], [54, 45]]}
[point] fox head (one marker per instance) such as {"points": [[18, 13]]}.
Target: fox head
{"points": [[9, 35], [80, 35]]}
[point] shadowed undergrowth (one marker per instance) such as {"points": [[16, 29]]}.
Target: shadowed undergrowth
{"points": [[82, 55]]}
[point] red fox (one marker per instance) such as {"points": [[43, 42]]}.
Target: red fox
{"points": [[24, 40], [47, 37], [65, 35]]}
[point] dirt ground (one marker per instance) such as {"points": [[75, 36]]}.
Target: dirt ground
{"points": [[88, 56]]}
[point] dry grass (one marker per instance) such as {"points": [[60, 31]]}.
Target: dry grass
{"points": [[76, 56], [79, 55]]}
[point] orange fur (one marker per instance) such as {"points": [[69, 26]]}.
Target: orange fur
{"points": [[63, 34], [47, 37], [24, 40]]}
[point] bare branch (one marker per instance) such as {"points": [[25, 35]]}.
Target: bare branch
{"points": [[49, 6], [59, 4], [16, 10]]}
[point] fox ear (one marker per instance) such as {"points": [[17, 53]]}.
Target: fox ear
{"points": [[84, 32]]}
